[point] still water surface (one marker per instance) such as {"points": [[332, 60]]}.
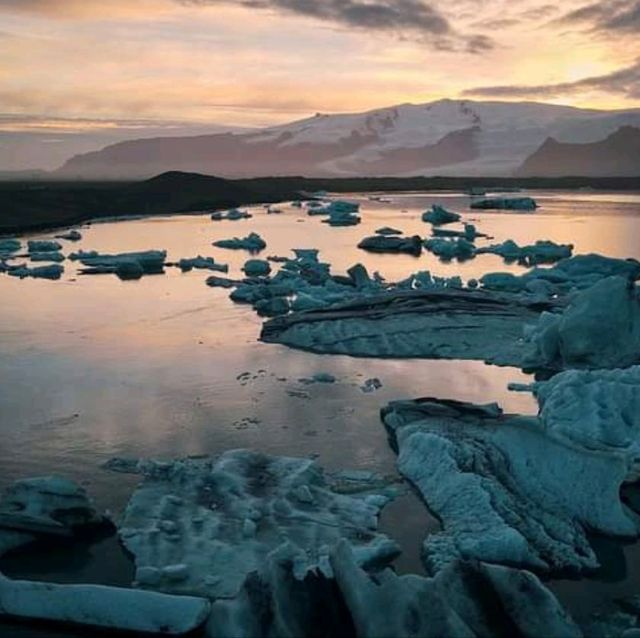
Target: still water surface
{"points": [[92, 367]]}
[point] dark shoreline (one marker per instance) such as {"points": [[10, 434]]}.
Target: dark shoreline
{"points": [[37, 205]]}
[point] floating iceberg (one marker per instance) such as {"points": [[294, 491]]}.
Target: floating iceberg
{"points": [[53, 271], [47, 505], [8, 247], [542, 252], [43, 246], [342, 219], [232, 214], [201, 263], [256, 268], [47, 256], [448, 249], [204, 525], [392, 244], [98, 606], [505, 203], [465, 599], [599, 329], [470, 233], [505, 491], [439, 216], [435, 321], [252, 242], [387, 230], [125, 265], [598, 410], [70, 235]]}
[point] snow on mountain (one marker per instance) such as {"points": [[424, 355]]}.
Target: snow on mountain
{"points": [[447, 137]]}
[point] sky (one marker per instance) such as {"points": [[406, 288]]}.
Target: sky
{"points": [[104, 67]]}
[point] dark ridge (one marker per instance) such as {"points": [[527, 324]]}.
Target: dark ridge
{"points": [[32, 205]]}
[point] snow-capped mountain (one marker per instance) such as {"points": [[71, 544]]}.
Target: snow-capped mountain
{"points": [[447, 137]]}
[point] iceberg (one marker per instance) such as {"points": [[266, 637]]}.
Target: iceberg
{"points": [[387, 230], [125, 265], [600, 328], [342, 219], [70, 235], [465, 600], [439, 216], [252, 242], [232, 214], [43, 246], [505, 203], [505, 491], [256, 268], [8, 247], [53, 271], [448, 249], [201, 263], [542, 252], [47, 256], [102, 607], [203, 526], [392, 244]]}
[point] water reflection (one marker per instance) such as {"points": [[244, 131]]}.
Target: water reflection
{"points": [[93, 367]]}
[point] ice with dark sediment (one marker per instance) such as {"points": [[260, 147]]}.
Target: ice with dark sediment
{"points": [[252, 242], [600, 328], [464, 600], [392, 244], [505, 203], [201, 263], [438, 216], [204, 525], [505, 490]]}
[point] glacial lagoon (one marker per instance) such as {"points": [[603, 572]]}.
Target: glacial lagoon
{"points": [[93, 367]]}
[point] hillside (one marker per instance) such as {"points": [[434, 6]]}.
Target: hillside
{"points": [[618, 154], [447, 137]]}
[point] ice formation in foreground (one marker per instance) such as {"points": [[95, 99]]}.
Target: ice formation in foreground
{"points": [[505, 489], [465, 599], [599, 329], [204, 525]]}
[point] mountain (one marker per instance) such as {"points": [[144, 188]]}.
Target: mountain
{"points": [[447, 137], [618, 154]]}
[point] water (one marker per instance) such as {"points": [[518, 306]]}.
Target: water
{"points": [[93, 367]]}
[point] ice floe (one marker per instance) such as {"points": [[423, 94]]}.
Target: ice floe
{"points": [[505, 203], [599, 329], [448, 249], [252, 242], [125, 265], [464, 600], [201, 263], [438, 216], [232, 214], [392, 244], [257, 268], [70, 235], [52, 271], [542, 252], [505, 491], [204, 525], [43, 246]]}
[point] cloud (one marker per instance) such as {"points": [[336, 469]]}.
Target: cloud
{"points": [[625, 81], [401, 17], [609, 16]]}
